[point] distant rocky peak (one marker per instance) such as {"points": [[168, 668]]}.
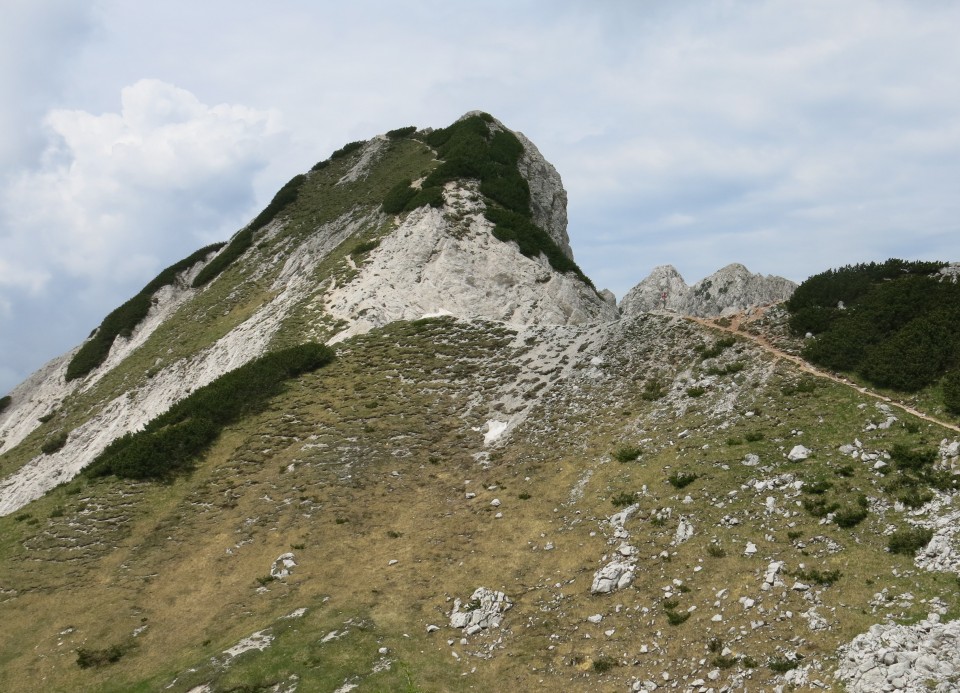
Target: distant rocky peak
{"points": [[728, 290]]}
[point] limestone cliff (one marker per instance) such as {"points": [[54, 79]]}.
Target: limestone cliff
{"points": [[728, 290]]}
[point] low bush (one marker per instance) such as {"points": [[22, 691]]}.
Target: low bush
{"points": [[782, 665], [604, 664], [4, 403], [347, 149], [397, 197], [622, 499], [168, 444], [819, 577], [87, 658], [675, 618], [718, 347], [364, 247], [696, 391], [716, 551], [850, 516], [682, 479], [400, 133], [951, 392], [627, 453], [124, 320], [909, 541], [54, 443]]}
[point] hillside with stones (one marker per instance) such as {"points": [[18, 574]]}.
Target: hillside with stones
{"points": [[499, 480]]}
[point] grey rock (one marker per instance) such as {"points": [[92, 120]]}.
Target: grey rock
{"points": [[798, 453], [728, 290], [282, 566], [614, 576], [485, 610]]}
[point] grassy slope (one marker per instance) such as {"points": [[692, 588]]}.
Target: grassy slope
{"points": [[184, 559], [243, 288]]}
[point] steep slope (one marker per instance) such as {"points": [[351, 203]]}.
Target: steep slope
{"points": [[729, 290], [322, 262]]}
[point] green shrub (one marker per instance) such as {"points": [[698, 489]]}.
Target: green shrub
{"points": [[168, 444], [819, 507], [696, 391], [782, 665], [622, 499], [54, 443], [469, 149], [123, 320], [397, 197], [721, 662], [604, 664], [4, 403], [715, 645], [718, 347], [818, 487], [675, 618], [909, 541], [897, 329], [653, 390], [400, 133], [531, 239], [239, 244], [320, 165], [682, 479], [716, 551], [951, 392], [819, 577], [347, 149], [627, 453], [850, 516], [907, 458], [754, 436], [87, 658], [364, 247]]}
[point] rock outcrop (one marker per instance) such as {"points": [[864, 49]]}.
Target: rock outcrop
{"points": [[484, 610], [728, 290], [921, 657]]}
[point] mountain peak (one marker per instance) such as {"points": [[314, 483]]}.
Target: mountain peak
{"points": [[728, 290]]}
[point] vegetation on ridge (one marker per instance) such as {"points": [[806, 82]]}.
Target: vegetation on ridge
{"points": [[470, 148], [169, 444], [123, 320], [891, 323]]}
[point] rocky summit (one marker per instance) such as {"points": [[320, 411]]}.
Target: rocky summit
{"points": [[390, 437], [727, 291]]}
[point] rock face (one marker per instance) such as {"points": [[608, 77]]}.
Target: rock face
{"points": [[548, 199], [430, 265], [726, 291]]}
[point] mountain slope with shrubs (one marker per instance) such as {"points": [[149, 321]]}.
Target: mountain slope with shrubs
{"points": [[393, 439]]}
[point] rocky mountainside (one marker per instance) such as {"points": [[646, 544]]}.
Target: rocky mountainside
{"points": [[492, 477], [728, 290]]}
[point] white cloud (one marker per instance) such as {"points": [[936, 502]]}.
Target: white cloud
{"points": [[118, 190]]}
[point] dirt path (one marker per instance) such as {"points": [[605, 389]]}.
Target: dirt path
{"points": [[740, 318]]}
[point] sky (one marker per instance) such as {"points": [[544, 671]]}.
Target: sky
{"points": [[790, 136]]}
